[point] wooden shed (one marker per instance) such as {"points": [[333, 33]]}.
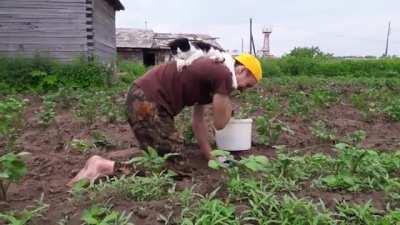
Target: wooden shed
{"points": [[59, 29]]}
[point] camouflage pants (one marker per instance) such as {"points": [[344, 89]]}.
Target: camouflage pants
{"points": [[151, 124]]}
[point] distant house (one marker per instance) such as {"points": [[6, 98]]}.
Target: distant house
{"points": [[149, 47], [60, 29]]}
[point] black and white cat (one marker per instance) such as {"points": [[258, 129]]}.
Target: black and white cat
{"points": [[185, 52]]}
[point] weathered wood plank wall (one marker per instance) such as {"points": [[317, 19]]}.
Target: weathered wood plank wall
{"points": [[104, 30], [56, 28]]}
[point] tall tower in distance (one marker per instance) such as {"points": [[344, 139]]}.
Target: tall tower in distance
{"points": [[266, 51]]}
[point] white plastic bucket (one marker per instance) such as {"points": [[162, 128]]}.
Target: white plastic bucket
{"points": [[236, 136]]}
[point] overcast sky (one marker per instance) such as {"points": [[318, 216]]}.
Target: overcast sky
{"points": [[342, 27]]}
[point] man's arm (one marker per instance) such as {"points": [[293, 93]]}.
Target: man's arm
{"points": [[222, 108], [200, 130]]}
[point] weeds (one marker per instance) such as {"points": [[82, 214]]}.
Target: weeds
{"points": [[104, 215], [151, 160], [12, 169], [11, 118], [81, 145], [23, 217], [393, 110], [47, 112], [133, 187], [266, 208], [322, 132], [269, 130], [354, 214], [358, 169], [211, 211]]}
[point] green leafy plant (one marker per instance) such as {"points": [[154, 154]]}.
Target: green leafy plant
{"points": [[112, 110], [12, 169], [47, 113], [299, 104], [266, 208], [81, 145], [322, 98], [358, 169], [104, 215], [269, 130], [22, 217], [134, 187], [321, 131], [211, 211], [151, 160], [100, 140], [11, 117], [355, 137], [88, 106], [357, 214], [393, 110]]}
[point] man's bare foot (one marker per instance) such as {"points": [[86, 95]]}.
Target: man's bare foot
{"points": [[95, 167]]}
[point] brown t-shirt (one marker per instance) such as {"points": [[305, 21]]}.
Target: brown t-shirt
{"points": [[196, 84]]}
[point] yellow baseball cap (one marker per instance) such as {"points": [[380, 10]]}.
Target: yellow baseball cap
{"points": [[251, 63]]}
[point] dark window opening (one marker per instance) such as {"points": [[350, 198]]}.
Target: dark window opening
{"points": [[149, 59]]}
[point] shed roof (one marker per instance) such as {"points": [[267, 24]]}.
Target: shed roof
{"points": [[162, 39], [117, 4], [134, 38], [141, 38]]}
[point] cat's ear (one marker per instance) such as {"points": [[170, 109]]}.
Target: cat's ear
{"points": [[181, 43]]}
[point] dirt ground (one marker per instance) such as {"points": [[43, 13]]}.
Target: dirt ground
{"points": [[52, 164]]}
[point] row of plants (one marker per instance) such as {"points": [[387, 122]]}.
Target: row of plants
{"points": [[266, 187], [41, 74], [313, 62]]}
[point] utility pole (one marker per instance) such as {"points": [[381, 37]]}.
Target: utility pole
{"points": [[242, 46], [387, 42], [252, 49]]}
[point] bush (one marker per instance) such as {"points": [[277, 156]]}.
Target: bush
{"points": [[43, 74], [311, 61], [130, 71]]}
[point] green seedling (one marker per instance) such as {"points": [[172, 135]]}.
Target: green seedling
{"points": [[104, 215], [151, 160], [266, 208], [12, 169], [47, 112], [355, 137], [22, 217], [323, 98], [269, 130], [81, 145], [11, 121], [299, 104], [321, 131], [393, 110], [100, 140], [354, 214], [134, 187], [211, 211], [358, 169], [111, 110]]}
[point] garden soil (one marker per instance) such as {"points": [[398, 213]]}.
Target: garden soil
{"points": [[52, 163]]}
